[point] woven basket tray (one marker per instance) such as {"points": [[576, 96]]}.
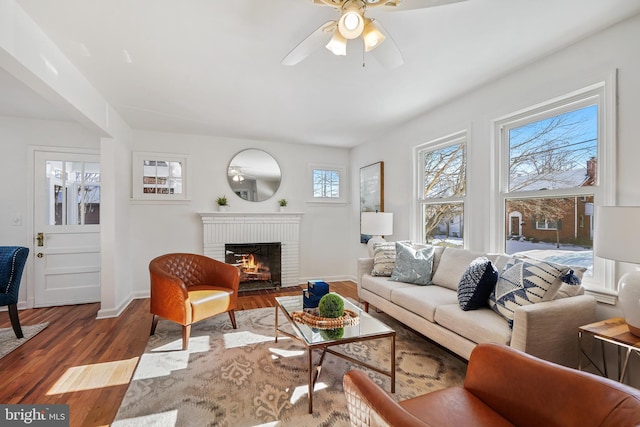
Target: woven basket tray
{"points": [[313, 319]]}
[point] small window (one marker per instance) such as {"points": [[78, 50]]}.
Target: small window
{"points": [[159, 176], [327, 183]]}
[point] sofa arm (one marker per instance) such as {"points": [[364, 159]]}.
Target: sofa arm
{"points": [[369, 405], [549, 330], [365, 265]]}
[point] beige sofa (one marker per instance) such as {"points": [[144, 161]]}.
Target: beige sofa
{"points": [[548, 330]]}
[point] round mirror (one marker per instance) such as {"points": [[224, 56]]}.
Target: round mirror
{"points": [[254, 175]]}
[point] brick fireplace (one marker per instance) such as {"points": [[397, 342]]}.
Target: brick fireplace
{"points": [[236, 228]]}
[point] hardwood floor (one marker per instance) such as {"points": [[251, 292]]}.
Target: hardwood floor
{"points": [[87, 363]]}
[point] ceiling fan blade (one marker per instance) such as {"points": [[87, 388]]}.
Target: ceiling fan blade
{"points": [[313, 42], [387, 53], [419, 4]]}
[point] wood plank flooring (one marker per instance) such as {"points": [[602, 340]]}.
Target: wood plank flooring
{"points": [[86, 363]]}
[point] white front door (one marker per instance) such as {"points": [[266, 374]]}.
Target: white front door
{"points": [[66, 221]]}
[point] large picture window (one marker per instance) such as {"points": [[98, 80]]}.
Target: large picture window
{"points": [[442, 190], [552, 162]]}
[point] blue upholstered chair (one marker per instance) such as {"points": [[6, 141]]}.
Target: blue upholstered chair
{"points": [[12, 261]]}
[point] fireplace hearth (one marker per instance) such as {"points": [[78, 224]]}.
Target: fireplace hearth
{"points": [[260, 264]]}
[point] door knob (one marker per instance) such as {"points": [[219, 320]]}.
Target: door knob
{"points": [[40, 239], [40, 255]]}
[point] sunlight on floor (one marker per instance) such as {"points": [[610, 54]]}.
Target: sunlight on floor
{"points": [[97, 375], [303, 390], [278, 352], [240, 339], [169, 418], [196, 345]]}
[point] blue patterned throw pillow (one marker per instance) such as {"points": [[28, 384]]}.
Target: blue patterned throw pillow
{"points": [[523, 282], [414, 263], [476, 284]]}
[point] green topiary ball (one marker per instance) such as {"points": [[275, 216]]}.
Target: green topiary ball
{"points": [[332, 334], [331, 305]]}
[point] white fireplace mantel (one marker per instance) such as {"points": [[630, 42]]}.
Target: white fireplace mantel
{"points": [[220, 228]]}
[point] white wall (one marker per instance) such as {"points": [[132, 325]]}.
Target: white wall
{"points": [[157, 228], [585, 63]]}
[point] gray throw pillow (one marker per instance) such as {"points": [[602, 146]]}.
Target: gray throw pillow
{"points": [[414, 263]]}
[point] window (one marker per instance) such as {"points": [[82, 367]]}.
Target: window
{"points": [[74, 192], [552, 166], [441, 181], [327, 183], [159, 176]]}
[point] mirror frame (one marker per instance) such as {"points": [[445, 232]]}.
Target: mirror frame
{"points": [[254, 175]]}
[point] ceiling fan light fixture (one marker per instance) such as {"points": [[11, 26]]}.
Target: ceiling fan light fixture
{"points": [[351, 23], [338, 44], [372, 35]]}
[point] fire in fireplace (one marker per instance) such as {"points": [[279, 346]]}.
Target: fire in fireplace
{"points": [[259, 264]]}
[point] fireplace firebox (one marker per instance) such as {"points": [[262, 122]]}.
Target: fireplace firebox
{"points": [[260, 264]]}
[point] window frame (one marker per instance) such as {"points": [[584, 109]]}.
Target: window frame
{"points": [[419, 201], [137, 187], [341, 170], [602, 284]]}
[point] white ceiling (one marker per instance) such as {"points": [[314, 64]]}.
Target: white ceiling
{"points": [[213, 67]]}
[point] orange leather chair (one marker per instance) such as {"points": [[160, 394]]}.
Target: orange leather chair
{"points": [[187, 288], [503, 387]]}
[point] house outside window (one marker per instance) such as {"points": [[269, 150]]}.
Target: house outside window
{"points": [[553, 159], [441, 182]]}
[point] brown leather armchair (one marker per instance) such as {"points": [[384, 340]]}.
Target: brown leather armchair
{"points": [[503, 387], [187, 288]]}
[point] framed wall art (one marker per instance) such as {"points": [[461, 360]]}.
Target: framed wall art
{"points": [[371, 191]]}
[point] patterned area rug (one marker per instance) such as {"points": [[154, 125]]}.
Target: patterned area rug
{"points": [[9, 342], [243, 378]]}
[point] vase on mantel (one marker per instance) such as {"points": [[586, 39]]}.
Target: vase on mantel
{"points": [[283, 208], [223, 208]]}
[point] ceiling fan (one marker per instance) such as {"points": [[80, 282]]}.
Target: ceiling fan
{"points": [[352, 24]]}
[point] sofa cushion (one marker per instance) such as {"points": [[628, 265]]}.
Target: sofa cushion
{"points": [[381, 286], [524, 282], [384, 259], [452, 265], [476, 284], [482, 325], [414, 263], [423, 300]]}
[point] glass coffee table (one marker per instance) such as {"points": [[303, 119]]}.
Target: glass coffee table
{"points": [[367, 328]]}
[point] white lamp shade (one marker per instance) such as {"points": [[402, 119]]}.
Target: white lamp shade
{"points": [[376, 223], [617, 233]]}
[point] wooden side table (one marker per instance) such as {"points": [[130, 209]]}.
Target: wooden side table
{"points": [[613, 331]]}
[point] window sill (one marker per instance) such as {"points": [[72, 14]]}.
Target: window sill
{"points": [[604, 296]]}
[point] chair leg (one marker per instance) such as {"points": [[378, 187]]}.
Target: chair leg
{"points": [[186, 331], [15, 320], [154, 323], [232, 316]]}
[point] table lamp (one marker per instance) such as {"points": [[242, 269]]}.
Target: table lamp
{"points": [[617, 237], [376, 224]]}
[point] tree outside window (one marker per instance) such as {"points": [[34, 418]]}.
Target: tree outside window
{"points": [[442, 184]]}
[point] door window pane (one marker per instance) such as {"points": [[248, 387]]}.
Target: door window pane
{"points": [[73, 190]]}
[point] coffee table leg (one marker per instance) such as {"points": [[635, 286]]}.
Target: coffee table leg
{"points": [[393, 364], [276, 323], [310, 381]]}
